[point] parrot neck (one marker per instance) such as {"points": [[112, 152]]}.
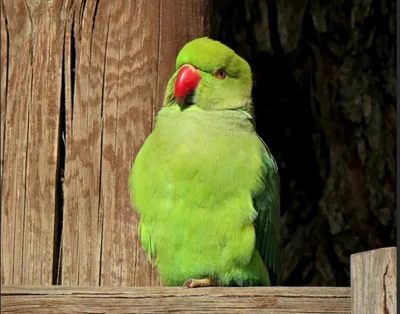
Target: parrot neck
{"points": [[194, 119]]}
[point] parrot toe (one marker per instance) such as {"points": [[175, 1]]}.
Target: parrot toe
{"points": [[196, 283]]}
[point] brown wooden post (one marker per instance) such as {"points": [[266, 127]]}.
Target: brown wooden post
{"points": [[31, 79], [87, 78], [373, 282]]}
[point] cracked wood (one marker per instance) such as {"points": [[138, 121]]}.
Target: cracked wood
{"points": [[373, 281], [30, 109], [81, 83]]}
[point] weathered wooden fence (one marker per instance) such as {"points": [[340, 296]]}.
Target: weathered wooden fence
{"points": [[81, 81], [373, 291]]}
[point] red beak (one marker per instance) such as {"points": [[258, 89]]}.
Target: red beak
{"points": [[186, 82]]}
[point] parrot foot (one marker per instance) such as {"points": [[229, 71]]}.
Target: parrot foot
{"points": [[196, 283]]}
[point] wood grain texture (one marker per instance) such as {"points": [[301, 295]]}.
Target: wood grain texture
{"points": [[129, 88], [99, 226], [15, 139], [85, 79], [4, 67], [175, 300], [373, 281], [31, 139], [83, 220]]}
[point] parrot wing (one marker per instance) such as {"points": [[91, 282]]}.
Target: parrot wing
{"points": [[267, 204]]}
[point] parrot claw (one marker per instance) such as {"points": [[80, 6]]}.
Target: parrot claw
{"points": [[196, 283]]}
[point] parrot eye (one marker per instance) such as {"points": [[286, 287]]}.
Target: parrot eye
{"points": [[220, 74]]}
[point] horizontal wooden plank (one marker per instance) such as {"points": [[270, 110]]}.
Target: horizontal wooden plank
{"points": [[67, 299]]}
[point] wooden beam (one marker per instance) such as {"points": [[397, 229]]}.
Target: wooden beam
{"points": [[32, 35], [89, 51], [60, 300], [373, 281]]}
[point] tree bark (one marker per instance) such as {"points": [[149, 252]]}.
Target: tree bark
{"points": [[324, 98]]}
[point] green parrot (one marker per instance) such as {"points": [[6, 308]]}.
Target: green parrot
{"points": [[204, 184]]}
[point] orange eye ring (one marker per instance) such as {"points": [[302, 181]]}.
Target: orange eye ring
{"points": [[220, 74]]}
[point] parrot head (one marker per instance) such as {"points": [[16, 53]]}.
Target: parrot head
{"points": [[210, 76]]}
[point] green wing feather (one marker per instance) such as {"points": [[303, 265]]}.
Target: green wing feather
{"points": [[267, 205]]}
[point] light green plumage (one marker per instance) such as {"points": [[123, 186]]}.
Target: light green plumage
{"points": [[204, 184]]}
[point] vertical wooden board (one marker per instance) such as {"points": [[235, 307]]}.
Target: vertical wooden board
{"points": [[4, 45], [30, 141], [180, 22], [129, 87], [20, 61], [373, 281], [42, 167], [82, 218]]}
